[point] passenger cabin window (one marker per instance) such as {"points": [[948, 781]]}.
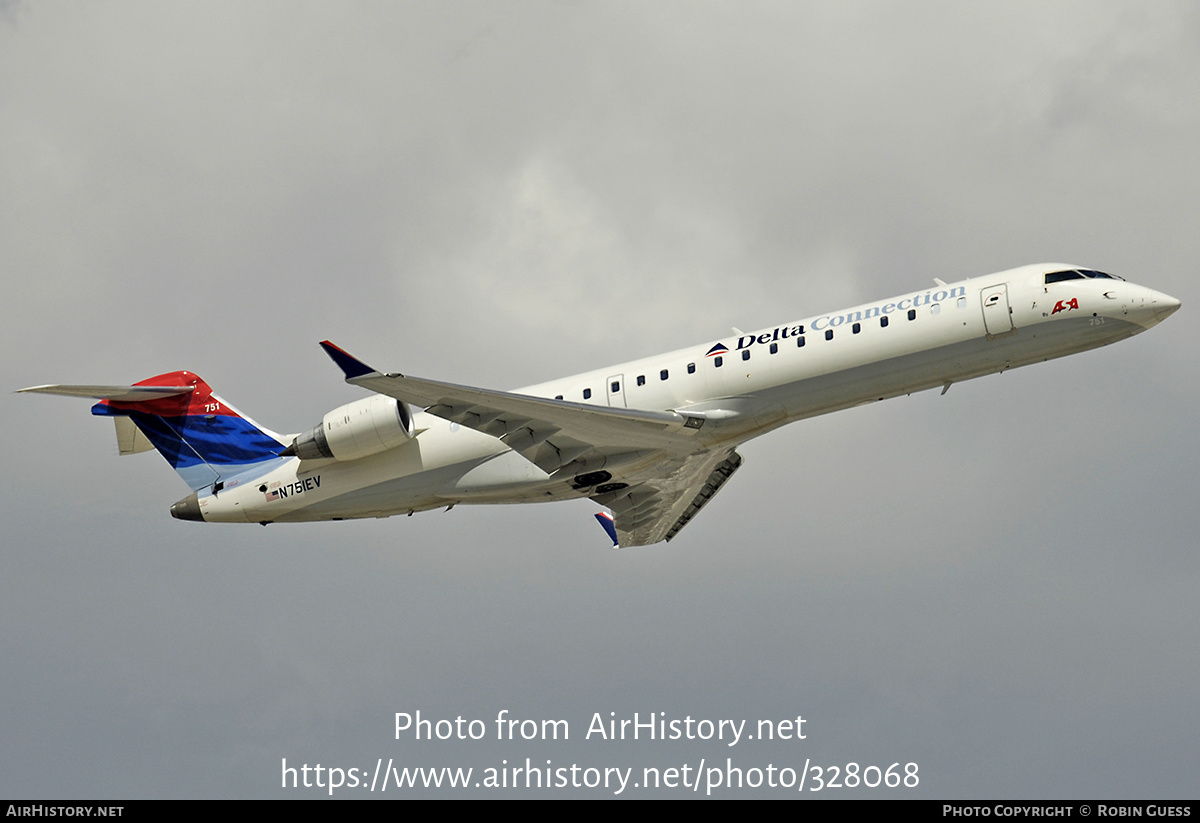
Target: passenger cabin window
{"points": [[587, 394], [800, 342], [746, 354], [856, 328], [691, 368], [883, 321], [616, 386], [717, 361], [774, 348], [912, 314], [829, 334], [962, 302], [641, 379], [936, 308], [662, 375]]}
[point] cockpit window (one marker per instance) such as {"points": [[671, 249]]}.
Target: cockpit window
{"points": [[1081, 274], [1060, 276]]}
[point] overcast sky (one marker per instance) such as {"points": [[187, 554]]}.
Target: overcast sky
{"points": [[998, 584]]}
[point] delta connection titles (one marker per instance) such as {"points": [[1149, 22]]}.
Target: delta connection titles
{"points": [[832, 321], [652, 726]]}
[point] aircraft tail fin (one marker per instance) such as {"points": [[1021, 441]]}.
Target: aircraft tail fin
{"points": [[206, 440]]}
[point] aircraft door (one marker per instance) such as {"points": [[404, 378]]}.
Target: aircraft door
{"points": [[615, 386], [997, 316]]}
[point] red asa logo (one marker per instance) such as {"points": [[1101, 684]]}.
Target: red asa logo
{"points": [[1073, 303]]}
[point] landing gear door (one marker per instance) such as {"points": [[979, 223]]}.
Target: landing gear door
{"points": [[616, 390], [997, 316]]}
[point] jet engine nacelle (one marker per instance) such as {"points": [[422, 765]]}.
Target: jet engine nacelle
{"points": [[364, 427]]}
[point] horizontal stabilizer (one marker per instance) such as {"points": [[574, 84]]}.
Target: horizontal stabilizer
{"points": [[118, 394], [206, 440]]}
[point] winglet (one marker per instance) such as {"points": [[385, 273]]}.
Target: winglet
{"points": [[345, 361], [606, 520]]}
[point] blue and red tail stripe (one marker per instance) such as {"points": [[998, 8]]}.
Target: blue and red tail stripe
{"points": [[203, 438]]}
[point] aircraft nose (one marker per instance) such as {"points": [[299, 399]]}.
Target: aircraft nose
{"points": [[1148, 307], [1164, 305], [187, 509]]}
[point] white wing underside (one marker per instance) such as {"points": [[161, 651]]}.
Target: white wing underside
{"points": [[667, 474], [657, 509]]}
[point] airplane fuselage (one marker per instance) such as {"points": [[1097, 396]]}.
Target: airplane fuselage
{"points": [[736, 388]]}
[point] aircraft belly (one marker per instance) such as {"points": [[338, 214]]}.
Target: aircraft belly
{"points": [[503, 478], [399, 495], [419, 474], [1070, 335]]}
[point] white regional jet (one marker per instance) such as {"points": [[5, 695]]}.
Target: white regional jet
{"points": [[652, 440]]}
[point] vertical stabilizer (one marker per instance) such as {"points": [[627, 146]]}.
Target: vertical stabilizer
{"points": [[206, 440]]}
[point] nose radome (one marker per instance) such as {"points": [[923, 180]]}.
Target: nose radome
{"points": [[1164, 305]]}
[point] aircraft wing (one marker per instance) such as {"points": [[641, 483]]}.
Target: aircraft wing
{"points": [[657, 509], [549, 433], [673, 479]]}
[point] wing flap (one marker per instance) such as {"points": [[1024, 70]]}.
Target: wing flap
{"points": [[658, 509]]}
